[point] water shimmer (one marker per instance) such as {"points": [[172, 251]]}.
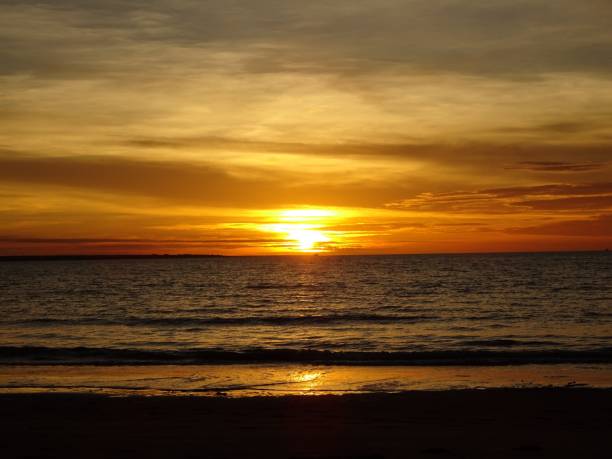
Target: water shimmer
{"points": [[435, 309]]}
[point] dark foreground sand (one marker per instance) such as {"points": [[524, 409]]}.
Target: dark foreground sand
{"points": [[556, 423]]}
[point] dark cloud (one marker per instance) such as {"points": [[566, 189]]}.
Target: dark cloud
{"points": [[189, 183], [507, 38], [588, 189], [558, 166], [567, 126], [598, 123], [594, 155], [169, 180], [67, 247], [93, 241]]}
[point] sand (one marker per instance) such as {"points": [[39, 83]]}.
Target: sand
{"points": [[495, 423]]}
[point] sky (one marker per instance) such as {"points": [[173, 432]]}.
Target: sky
{"points": [[244, 127]]}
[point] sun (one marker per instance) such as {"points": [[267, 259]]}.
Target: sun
{"points": [[307, 240], [304, 230]]}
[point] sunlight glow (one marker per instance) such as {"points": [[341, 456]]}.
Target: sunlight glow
{"points": [[305, 230], [304, 237], [307, 239], [307, 213]]}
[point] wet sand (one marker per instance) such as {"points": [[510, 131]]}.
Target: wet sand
{"points": [[494, 423], [292, 379]]}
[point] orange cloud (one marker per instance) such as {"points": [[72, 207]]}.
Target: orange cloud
{"points": [[555, 197]]}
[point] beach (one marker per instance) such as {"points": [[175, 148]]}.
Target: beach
{"points": [[499, 423]]}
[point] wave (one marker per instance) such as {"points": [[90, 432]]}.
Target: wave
{"points": [[220, 320], [504, 342], [12, 355]]}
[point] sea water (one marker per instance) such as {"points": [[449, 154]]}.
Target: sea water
{"points": [[358, 311]]}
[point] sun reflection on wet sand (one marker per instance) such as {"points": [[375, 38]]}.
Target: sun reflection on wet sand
{"points": [[307, 376], [307, 381]]}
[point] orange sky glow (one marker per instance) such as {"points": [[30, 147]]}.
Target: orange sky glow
{"points": [[345, 127]]}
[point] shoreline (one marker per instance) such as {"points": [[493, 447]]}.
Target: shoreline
{"points": [[278, 380], [501, 423]]}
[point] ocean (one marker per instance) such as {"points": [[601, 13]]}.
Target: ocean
{"points": [[476, 310]]}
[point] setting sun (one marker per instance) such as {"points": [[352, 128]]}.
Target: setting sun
{"points": [[307, 230], [301, 237], [308, 240]]}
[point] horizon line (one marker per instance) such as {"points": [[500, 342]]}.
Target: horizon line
{"points": [[101, 256]]}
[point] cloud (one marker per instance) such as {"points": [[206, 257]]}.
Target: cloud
{"points": [[79, 246], [215, 184], [169, 180], [558, 166], [554, 197], [509, 38], [447, 152], [588, 189], [441, 108], [377, 71], [558, 128], [131, 241], [193, 183]]}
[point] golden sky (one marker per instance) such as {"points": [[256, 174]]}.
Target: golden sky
{"points": [[283, 126]]}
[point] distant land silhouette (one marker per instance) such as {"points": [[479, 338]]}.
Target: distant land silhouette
{"points": [[100, 257]]}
